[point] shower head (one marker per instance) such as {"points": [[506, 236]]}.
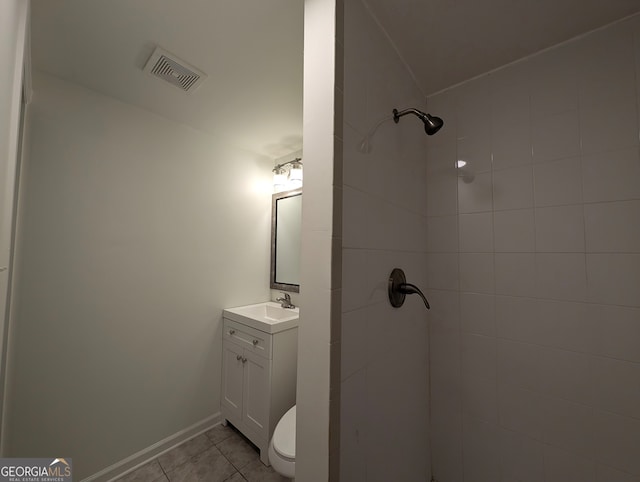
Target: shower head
{"points": [[432, 124]]}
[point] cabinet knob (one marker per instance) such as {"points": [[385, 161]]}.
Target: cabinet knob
{"points": [[255, 342], [244, 360], [232, 332], [239, 357]]}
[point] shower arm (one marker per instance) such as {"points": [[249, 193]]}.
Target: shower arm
{"points": [[397, 115]]}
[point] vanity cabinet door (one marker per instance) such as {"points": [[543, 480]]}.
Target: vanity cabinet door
{"points": [[233, 378], [257, 380]]}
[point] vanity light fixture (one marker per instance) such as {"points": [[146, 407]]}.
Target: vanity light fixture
{"points": [[287, 175]]}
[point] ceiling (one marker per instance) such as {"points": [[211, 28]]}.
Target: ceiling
{"points": [[448, 41], [251, 51]]}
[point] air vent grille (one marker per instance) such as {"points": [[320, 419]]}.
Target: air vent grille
{"points": [[171, 69]]}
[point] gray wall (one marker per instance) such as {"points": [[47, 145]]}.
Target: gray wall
{"points": [[319, 289], [136, 233], [13, 22]]}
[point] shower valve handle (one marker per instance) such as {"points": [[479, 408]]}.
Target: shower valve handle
{"points": [[399, 289], [411, 289]]}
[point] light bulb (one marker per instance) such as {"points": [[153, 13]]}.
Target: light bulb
{"points": [[295, 173], [279, 179]]}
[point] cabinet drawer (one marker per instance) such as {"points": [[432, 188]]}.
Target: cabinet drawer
{"points": [[254, 340]]}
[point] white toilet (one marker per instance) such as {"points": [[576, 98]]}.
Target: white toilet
{"points": [[282, 448]]}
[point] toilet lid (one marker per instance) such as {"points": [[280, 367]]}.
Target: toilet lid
{"points": [[284, 436]]}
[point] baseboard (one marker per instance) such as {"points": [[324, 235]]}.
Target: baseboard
{"points": [[140, 458]]}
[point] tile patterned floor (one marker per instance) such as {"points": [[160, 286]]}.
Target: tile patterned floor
{"points": [[220, 455]]}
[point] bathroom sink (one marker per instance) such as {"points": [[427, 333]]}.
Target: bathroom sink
{"points": [[269, 317]]}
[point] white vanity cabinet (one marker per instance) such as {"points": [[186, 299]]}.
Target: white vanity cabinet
{"points": [[258, 377]]}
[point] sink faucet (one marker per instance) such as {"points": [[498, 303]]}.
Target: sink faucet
{"points": [[286, 301]]}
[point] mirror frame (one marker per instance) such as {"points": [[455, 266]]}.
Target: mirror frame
{"points": [[294, 288]]}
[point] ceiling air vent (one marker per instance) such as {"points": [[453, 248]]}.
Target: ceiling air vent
{"points": [[177, 72]]}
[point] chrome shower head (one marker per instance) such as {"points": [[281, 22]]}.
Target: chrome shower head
{"points": [[432, 124]]}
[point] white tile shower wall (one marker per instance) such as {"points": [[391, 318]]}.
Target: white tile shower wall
{"points": [[384, 393], [535, 327]]}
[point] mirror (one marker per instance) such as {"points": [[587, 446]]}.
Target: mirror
{"points": [[286, 220]]}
